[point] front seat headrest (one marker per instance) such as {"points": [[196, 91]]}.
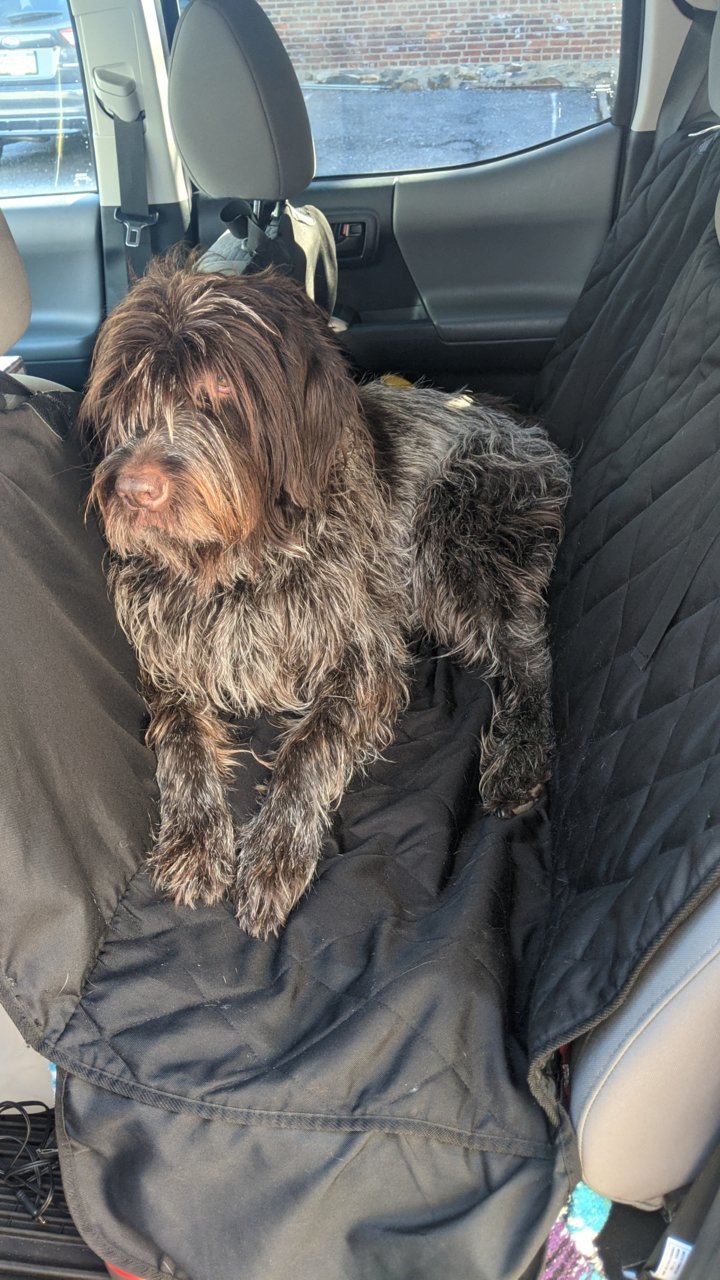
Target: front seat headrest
{"points": [[236, 106], [15, 304]]}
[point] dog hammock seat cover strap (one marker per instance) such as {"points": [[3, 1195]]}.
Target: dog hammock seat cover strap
{"points": [[347, 1099]]}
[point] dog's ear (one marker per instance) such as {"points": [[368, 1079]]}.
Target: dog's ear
{"points": [[330, 420], [288, 386]]}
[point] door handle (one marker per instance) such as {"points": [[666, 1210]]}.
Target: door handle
{"points": [[349, 238], [355, 235]]}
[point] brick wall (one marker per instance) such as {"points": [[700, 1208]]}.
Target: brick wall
{"points": [[366, 36]]}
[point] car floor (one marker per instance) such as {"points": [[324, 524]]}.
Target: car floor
{"points": [[628, 1238], [46, 1248]]}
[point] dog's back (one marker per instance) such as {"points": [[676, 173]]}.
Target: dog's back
{"points": [[412, 429], [416, 429]]}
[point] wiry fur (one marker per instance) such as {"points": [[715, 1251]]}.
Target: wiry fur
{"points": [[309, 526]]}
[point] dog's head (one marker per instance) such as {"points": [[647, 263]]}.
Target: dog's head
{"points": [[220, 407]]}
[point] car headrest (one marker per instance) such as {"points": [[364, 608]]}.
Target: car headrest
{"points": [[15, 297], [236, 106]]}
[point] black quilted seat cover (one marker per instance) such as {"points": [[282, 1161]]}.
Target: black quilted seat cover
{"points": [[349, 1100], [632, 392]]}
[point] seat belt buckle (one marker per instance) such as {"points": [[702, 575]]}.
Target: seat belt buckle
{"points": [[135, 225]]}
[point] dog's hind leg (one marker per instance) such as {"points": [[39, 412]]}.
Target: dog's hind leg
{"points": [[486, 532], [194, 856]]}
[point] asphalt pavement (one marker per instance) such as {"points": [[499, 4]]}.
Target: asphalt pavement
{"points": [[361, 129], [391, 130]]}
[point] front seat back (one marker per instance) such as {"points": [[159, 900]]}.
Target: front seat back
{"points": [[15, 305], [242, 129], [15, 309], [23, 1073]]}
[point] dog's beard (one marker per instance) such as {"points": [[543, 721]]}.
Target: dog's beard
{"points": [[211, 499]]}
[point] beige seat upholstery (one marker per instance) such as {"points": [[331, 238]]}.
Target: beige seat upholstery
{"points": [[24, 1075], [15, 299], [15, 305], [646, 1083]]}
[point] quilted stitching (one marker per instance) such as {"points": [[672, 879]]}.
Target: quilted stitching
{"points": [[632, 391]]}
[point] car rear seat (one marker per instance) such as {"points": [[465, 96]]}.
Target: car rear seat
{"points": [[636, 1143], [632, 392]]}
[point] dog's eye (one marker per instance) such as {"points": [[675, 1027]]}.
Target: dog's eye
{"points": [[211, 387]]}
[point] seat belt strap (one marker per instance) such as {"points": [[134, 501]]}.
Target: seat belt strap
{"points": [[118, 95], [688, 77], [134, 212], [703, 1261]]}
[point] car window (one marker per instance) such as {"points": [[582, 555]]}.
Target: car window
{"points": [[417, 84], [44, 134]]}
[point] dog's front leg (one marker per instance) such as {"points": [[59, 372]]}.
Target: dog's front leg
{"points": [[348, 725], [194, 857]]}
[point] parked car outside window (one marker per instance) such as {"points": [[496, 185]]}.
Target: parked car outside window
{"points": [[44, 133]]}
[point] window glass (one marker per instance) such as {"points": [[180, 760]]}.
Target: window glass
{"points": [[393, 85], [44, 134]]}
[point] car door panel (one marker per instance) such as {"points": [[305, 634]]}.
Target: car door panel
{"points": [[59, 241], [468, 273], [514, 239], [478, 267]]}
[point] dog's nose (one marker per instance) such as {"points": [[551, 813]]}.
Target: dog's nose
{"points": [[144, 487]]}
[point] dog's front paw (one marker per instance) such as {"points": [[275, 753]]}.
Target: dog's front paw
{"points": [[514, 782], [515, 806], [274, 870], [195, 863]]}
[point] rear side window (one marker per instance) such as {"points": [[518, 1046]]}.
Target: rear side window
{"points": [[44, 133], [419, 84]]}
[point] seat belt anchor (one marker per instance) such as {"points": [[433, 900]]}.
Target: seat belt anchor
{"points": [[134, 226]]}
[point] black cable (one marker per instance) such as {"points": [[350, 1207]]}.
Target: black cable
{"points": [[29, 1165]]}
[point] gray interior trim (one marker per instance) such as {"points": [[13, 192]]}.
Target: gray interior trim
{"points": [[664, 30], [714, 70], [130, 37]]}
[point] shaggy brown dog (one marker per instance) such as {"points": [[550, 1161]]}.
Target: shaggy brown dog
{"points": [[277, 532]]}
